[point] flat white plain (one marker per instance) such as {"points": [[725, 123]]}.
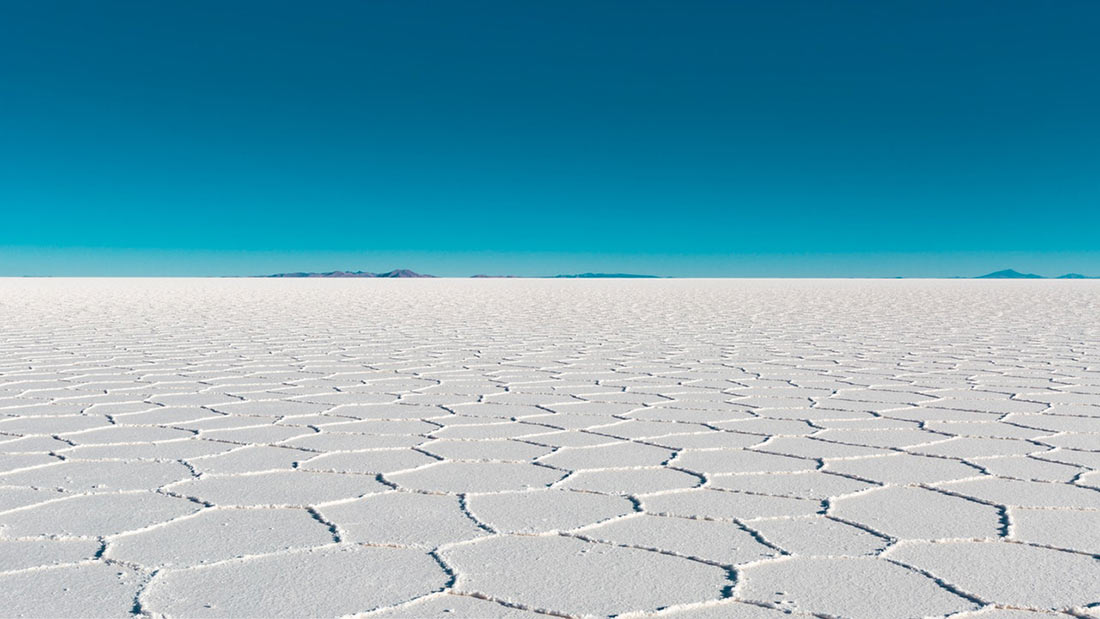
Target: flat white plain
{"points": [[491, 448]]}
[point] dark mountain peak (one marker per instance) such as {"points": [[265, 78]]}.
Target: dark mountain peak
{"points": [[1009, 274], [328, 274], [401, 273], [1076, 276]]}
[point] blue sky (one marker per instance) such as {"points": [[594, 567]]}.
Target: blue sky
{"points": [[686, 138]]}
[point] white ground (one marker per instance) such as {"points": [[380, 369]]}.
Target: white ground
{"points": [[506, 448]]}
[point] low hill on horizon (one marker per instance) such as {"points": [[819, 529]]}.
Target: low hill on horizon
{"points": [[1009, 274], [1014, 274]]}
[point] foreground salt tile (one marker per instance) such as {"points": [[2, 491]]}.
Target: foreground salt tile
{"points": [[277, 488], [218, 534], [1006, 613], [14, 498], [509, 429], [492, 449], [367, 462], [31, 444], [1061, 528], [806, 485], [635, 429], [995, 405], [326, 582], [723, 543], [84, 476], [493, 410], [50, 426], [164, 451], [810, 447], [630, 481], [94, 515], [182, 417], [986, 429], [718, 461], [1026, 493], [720, 610], [904, 469], [620, 455], [817, 535], [708, 440], [448, 606], [1086, 459], [23, 554], [10, 463], [717, 504], [256, 435], [461, 477], [192, 399], [84, 590], [859, 588], [270, 408], [249, 459], [570, 420], [967, 447], [1051, 422], [541, 511], [386, 411], [1071, 440], [530, 398], [894, 437], [918, 513], [381, 426], [1028, 468], [332, 442], [48, 409], [403, 518], [713, 413], [515, 570], [1009, 574], [113, 435], [572, 438], [361, 395]]}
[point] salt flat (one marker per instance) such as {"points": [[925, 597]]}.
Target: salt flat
{"points": [[490, 448]]}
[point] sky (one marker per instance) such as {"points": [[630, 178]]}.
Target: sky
{"points": [[689, 138]]}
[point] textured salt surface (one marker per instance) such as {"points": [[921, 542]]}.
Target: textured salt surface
{"points": [[447, 448]]}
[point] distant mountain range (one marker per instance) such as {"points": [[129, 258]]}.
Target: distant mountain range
{"points": [[391, 274], [605, 276], [1012, 274]]}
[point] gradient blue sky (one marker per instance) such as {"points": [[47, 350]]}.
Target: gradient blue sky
{"points": [[676, 138]]}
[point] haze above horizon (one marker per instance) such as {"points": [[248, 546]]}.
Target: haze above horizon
{"points": [[688, 139]]}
